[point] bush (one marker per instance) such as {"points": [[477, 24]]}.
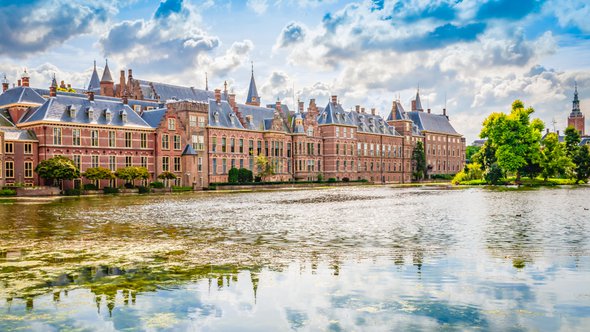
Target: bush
{"points": [[258, 179], [442, 176], [73, 192], [180, 188], [143, 190], [90, 186], [345, 179], [232, 175], [320, 177], [332, 180], [110, 190], [494, 175], [157, 185], [245, 175], [129, 185], [7, 192]]}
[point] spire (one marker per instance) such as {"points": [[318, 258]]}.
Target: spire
{"points": [[4, 79], [206, 82], [576, 101], [94, 81], [418, 103], [253, 98], [106, 74], [54, 81]]}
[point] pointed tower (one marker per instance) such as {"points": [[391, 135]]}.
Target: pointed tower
{"points": [[94, 81], [416, 103], [25, 78], [5, 84], [107, 85], [576, 118], [253, 98]]}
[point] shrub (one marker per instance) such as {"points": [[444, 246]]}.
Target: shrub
{"points": [[320, 177], [257, 179], [181, 188], [494, 175], [345, 179], [157, 185], [442, 176], [232, 175], [7, 192], [129, 185], [245, 175], [73, 192], [332, 180], [143, 190], [110, 190], [90, 186]]}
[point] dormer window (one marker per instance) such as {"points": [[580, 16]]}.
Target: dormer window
{"points": [[250, 119], [90, 113], [108, 115], [310, 131], [216, 117], [72, 111], [124, 116]]}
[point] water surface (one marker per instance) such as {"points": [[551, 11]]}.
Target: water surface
{"points": [[349, 258]]}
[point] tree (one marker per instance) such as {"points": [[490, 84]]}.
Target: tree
{"points": [[572, 141], [98, 173], [245, 175], [486, 156], [419, 161], [233, 175], [57, 169], [132, 173], [167, 176], [582, 164], [494, 174], [470, 151], [264, 167], [515, 138], [554, 159]]}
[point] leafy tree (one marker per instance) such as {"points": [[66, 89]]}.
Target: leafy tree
{"points": [[515, 138], [470, 151], [233, 175], [245, 175], [494, 174], [132, 173], [57, 169], [572, 141], [265, 168], [473, 172], [98, 173], [419, 161], [167, 176], [486, 156], [554, 159], [582, 164]]}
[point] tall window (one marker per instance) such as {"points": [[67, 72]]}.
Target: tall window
{"points": [[94, 138], [165, 142], [171, 124], [251, 147], [143, 139], [214, 168], [28, 169], [192, 120], [214, 144], [144, 161], [232, 145], [177, 164], [112, 139], [76, 137], [198, 142], [202, 121], [259, 148], [56, 136], [9, 147], [76, 159], [128, 161], [9, 169], [113, 163], [223, 166], [241, 145], [176, 142], [94, 161], [128, 139], [200, 164], [337, 131], [165, 164], [223, 144]]}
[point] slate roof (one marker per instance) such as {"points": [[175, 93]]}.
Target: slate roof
{"points": [[154, 117], [252, 91], [168, 91], [369, 123], [14, 134], [189, 151], [397, 112], [335, 114], [432, 122], [106, 74], [585, 141], [560, 138], [94, 84], [57, 109], [222, 115], [21, 95], [418, 102]]}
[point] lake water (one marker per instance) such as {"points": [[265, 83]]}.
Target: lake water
{"points": [[368, 258]]}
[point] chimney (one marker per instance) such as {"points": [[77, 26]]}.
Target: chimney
{"points": [[278, 106], [25, 78], [91, 95], [62, 85], [444, 111], [301, 107], [218, 96], [334, 99], [122, 89], [69, 86], [130, 74], [232, 100], [373, 111], [52, 91], [428, 110], [125, 99], [357, 108], [5, 84], [363, 110], [18, 82]]}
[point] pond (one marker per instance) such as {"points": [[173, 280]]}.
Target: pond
{"points": [[335, 259]]}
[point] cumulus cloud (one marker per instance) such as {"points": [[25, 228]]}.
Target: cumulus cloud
{"points": [[30, 27], [292, 33], [572, 13], [233, 58], [41, 76], [258, 6]]}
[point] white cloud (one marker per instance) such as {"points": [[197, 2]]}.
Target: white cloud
{"points": [[258, 6]]}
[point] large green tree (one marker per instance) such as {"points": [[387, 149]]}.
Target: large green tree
{"points": [[419, 161], [582, 163], [57, 169], [132, 173], [572, 141], [98, 173], [554, 160], [470, 151], [515, 137]]}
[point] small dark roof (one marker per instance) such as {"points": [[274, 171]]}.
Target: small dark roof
{"points": [[21, 95], [479, 142], [335, 114], [432, 122], [397, 112], [222, 115], [257, 114], [87, 112], [252, 91], [189, 151], [94, 84], [154, 117], [560, 138], [14, 134], [106, 74], [418, 102]]}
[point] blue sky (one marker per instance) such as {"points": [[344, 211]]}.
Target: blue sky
{"points": [[477, 56]]}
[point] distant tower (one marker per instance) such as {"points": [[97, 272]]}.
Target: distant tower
{"points": [[576, 118], [253, 98], [416, 103], [94, 85], [107, 85], [25, 78]]}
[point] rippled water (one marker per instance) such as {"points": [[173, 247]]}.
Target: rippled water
{"points": [[348, 258]]}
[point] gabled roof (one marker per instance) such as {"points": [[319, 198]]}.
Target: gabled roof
{"points": [[154, 117], [106, 74], [57, 109], [432, 122], [222, 115], [94, 84], [21, 95], [397, 112], [189, 151], [335, 114], [14, 134]]}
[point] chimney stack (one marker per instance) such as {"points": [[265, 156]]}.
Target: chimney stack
{"points": [[122, 89], [52, 91], [334, 99], [218, 96], [18, 82], [278, 106], [232, 100], [125, 99], [301, 107], [25, 78], [428, 110], [91, 95], [130, 74], [5, 84], [558, 133], [357, 108], [362, 110], [444, 111], [373, 111]]}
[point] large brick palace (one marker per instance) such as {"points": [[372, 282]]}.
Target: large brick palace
{"points": [[199, 135]]}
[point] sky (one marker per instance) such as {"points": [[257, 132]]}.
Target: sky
{"points": [[474, 57]]}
